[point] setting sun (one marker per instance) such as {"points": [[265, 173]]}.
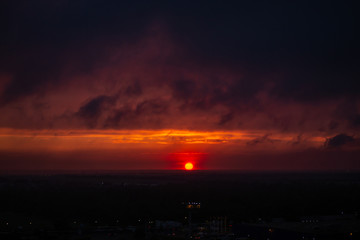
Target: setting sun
{"points": [[189, 166]]}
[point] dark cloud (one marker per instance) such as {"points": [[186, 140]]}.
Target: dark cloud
{"points": [[146, 114], [42, 38], [313, 45], [134, 89], [236, 95], [152, 107], [226, 118], [333, 125], [92, 110], [228, 61], [339, 141], [264, 139], [119, 118], [185, 89], [355, 121], [194, 95]]}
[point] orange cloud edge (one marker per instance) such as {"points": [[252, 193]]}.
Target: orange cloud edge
{"points": [[18, 138]]}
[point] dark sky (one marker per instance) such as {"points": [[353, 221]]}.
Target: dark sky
{"points": [[260, 76]]}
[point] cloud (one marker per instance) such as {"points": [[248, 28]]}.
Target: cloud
{"points": [[92, 110], [94, 107], [226, 118], [134, 89], [341, 140], [261, 140], [355, 121], [146, 114], [260, 69], [227, 66], [152, 107]]}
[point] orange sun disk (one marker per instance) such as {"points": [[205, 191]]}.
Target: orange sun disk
{"points": [[189, 166]]}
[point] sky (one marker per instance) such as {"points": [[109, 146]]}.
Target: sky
{"points": [[116, 85]]}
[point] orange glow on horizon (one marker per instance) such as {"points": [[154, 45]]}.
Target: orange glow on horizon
{"points": [[152, 149], [63, 140], [187, 160], [189, 166]]}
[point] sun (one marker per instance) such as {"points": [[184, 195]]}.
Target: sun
{"points": [[189, 166]]}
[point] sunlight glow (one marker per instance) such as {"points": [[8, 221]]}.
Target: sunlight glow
{"points": [[189, 166]]}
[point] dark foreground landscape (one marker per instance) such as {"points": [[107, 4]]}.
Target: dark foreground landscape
{"points": [[180, 205]]}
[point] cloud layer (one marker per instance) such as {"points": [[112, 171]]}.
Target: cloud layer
{"points": [[274, 68]]}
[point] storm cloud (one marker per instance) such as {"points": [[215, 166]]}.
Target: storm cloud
{"points": [[205, 65]]}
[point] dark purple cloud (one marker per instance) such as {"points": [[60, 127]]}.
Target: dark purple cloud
{"points": [[285, 66], [93, 109], [342, 140]]}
